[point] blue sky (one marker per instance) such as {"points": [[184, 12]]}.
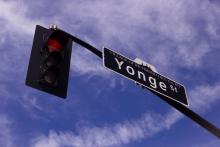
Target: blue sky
{"points": [[103, 109]]}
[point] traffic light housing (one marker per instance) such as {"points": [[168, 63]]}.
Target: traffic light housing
{"points": [[49, 63]]}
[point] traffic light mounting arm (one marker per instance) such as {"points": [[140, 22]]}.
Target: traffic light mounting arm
{"points": [[186, 111], [84, 44]]}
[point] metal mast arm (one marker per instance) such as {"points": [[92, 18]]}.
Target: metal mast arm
{"points": [[186, 111], [192, 115], [83, 43]]}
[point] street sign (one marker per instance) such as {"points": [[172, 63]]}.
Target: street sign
{"points": [[144, 76]]}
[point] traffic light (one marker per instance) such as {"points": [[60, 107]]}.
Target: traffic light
{"points": [[49, 63]]}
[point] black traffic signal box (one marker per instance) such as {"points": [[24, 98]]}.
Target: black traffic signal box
{"points": [[49, 63]]}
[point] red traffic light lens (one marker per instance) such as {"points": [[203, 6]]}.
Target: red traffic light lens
{"points": [[54, 45]]}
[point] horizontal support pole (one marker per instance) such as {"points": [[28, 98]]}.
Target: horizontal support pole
{"points": [[192, 115], [83, 43], [183, 109]]}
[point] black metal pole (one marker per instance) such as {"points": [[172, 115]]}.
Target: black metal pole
{"points": [[83, 43], [192, 115], [183, 109]]}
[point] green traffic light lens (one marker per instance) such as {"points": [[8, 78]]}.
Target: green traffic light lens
{"points": [[50, 76]]}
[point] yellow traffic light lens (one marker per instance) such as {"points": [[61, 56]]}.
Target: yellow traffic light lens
{"points": [[53, 59]]}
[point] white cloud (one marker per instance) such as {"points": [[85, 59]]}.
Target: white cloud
{"points": [[6, 137], [116, 135], [129, 22], [213, 143], [84, 62], [13, 16], [122, 20], [128, 131], [192, 55], [203, 97], [30, 102], [16, 30], [4, 93], [165, 32]]}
